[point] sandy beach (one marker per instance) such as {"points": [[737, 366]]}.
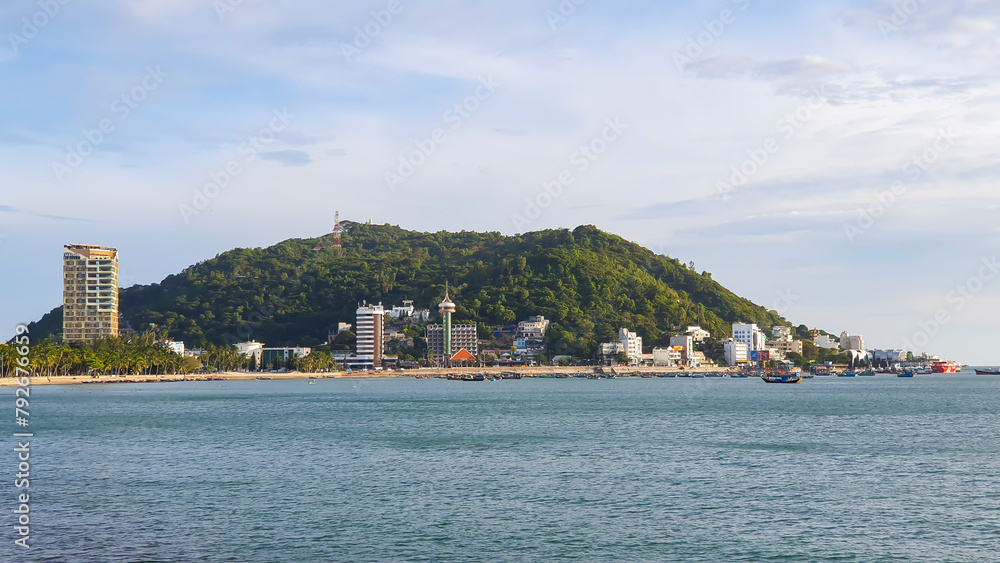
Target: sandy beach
{"points": [[542, 371]]}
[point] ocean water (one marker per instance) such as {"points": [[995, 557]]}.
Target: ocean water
{"points": [[834, 469]]}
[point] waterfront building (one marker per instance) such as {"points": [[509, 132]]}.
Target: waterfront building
{"points": [[280, 357], [848, 342], [827, 342], [684, 341], [175, 347], [699, 334], [736, 352], [784, 347], [668, 357], [252, 349], [90, 293], [628, 343], [463, 336], [888, 357], [751, 335], [370, 343], [696, 359]]}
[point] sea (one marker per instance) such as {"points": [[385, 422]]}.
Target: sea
{"points": [[833, 469]]}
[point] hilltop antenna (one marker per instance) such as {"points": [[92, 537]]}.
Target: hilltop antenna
{"points": [[338, 231]]}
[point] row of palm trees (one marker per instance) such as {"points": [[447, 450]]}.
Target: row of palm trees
{"points": [[145, 354]]}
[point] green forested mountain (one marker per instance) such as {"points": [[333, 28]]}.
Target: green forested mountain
{"points": [[588, 282]]}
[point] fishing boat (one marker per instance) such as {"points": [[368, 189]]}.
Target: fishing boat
{"points": [[946, 367], [822, 371], [907, 373], [781, 378], [995, 371], [850, 373]]}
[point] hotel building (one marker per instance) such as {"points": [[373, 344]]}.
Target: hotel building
{"points": [[90, 293], [371, 343], [751, 335], [736, 352], [463, 335]]}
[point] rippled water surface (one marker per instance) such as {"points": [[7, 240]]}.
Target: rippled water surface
{"points": [[867, 469]]}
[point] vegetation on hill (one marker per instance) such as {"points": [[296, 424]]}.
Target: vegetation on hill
{"points": [[588, 282]]}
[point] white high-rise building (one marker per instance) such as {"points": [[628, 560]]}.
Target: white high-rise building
{"points": [[736, 352], [751, 335], [369, 332]]}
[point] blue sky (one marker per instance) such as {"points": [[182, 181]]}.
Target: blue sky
{"points": [[835, 100]]}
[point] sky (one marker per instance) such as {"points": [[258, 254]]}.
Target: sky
{"points": [[834, 161]]}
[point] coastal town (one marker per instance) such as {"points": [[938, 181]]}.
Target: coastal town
{"points": [[398, 337]]}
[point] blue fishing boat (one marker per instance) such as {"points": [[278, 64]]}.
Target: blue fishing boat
{"points": [[781, 378]]}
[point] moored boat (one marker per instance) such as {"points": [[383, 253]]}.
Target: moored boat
{"points": [[781, 378], [995, 371], [946, 367]]}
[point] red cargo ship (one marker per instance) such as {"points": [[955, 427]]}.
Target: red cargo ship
{"points": [[946, 367]]}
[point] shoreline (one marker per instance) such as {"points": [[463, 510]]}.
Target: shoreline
{"points": [[245, 376]]}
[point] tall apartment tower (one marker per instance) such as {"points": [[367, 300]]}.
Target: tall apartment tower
{"points": [[90, 293], [369, 332]]}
